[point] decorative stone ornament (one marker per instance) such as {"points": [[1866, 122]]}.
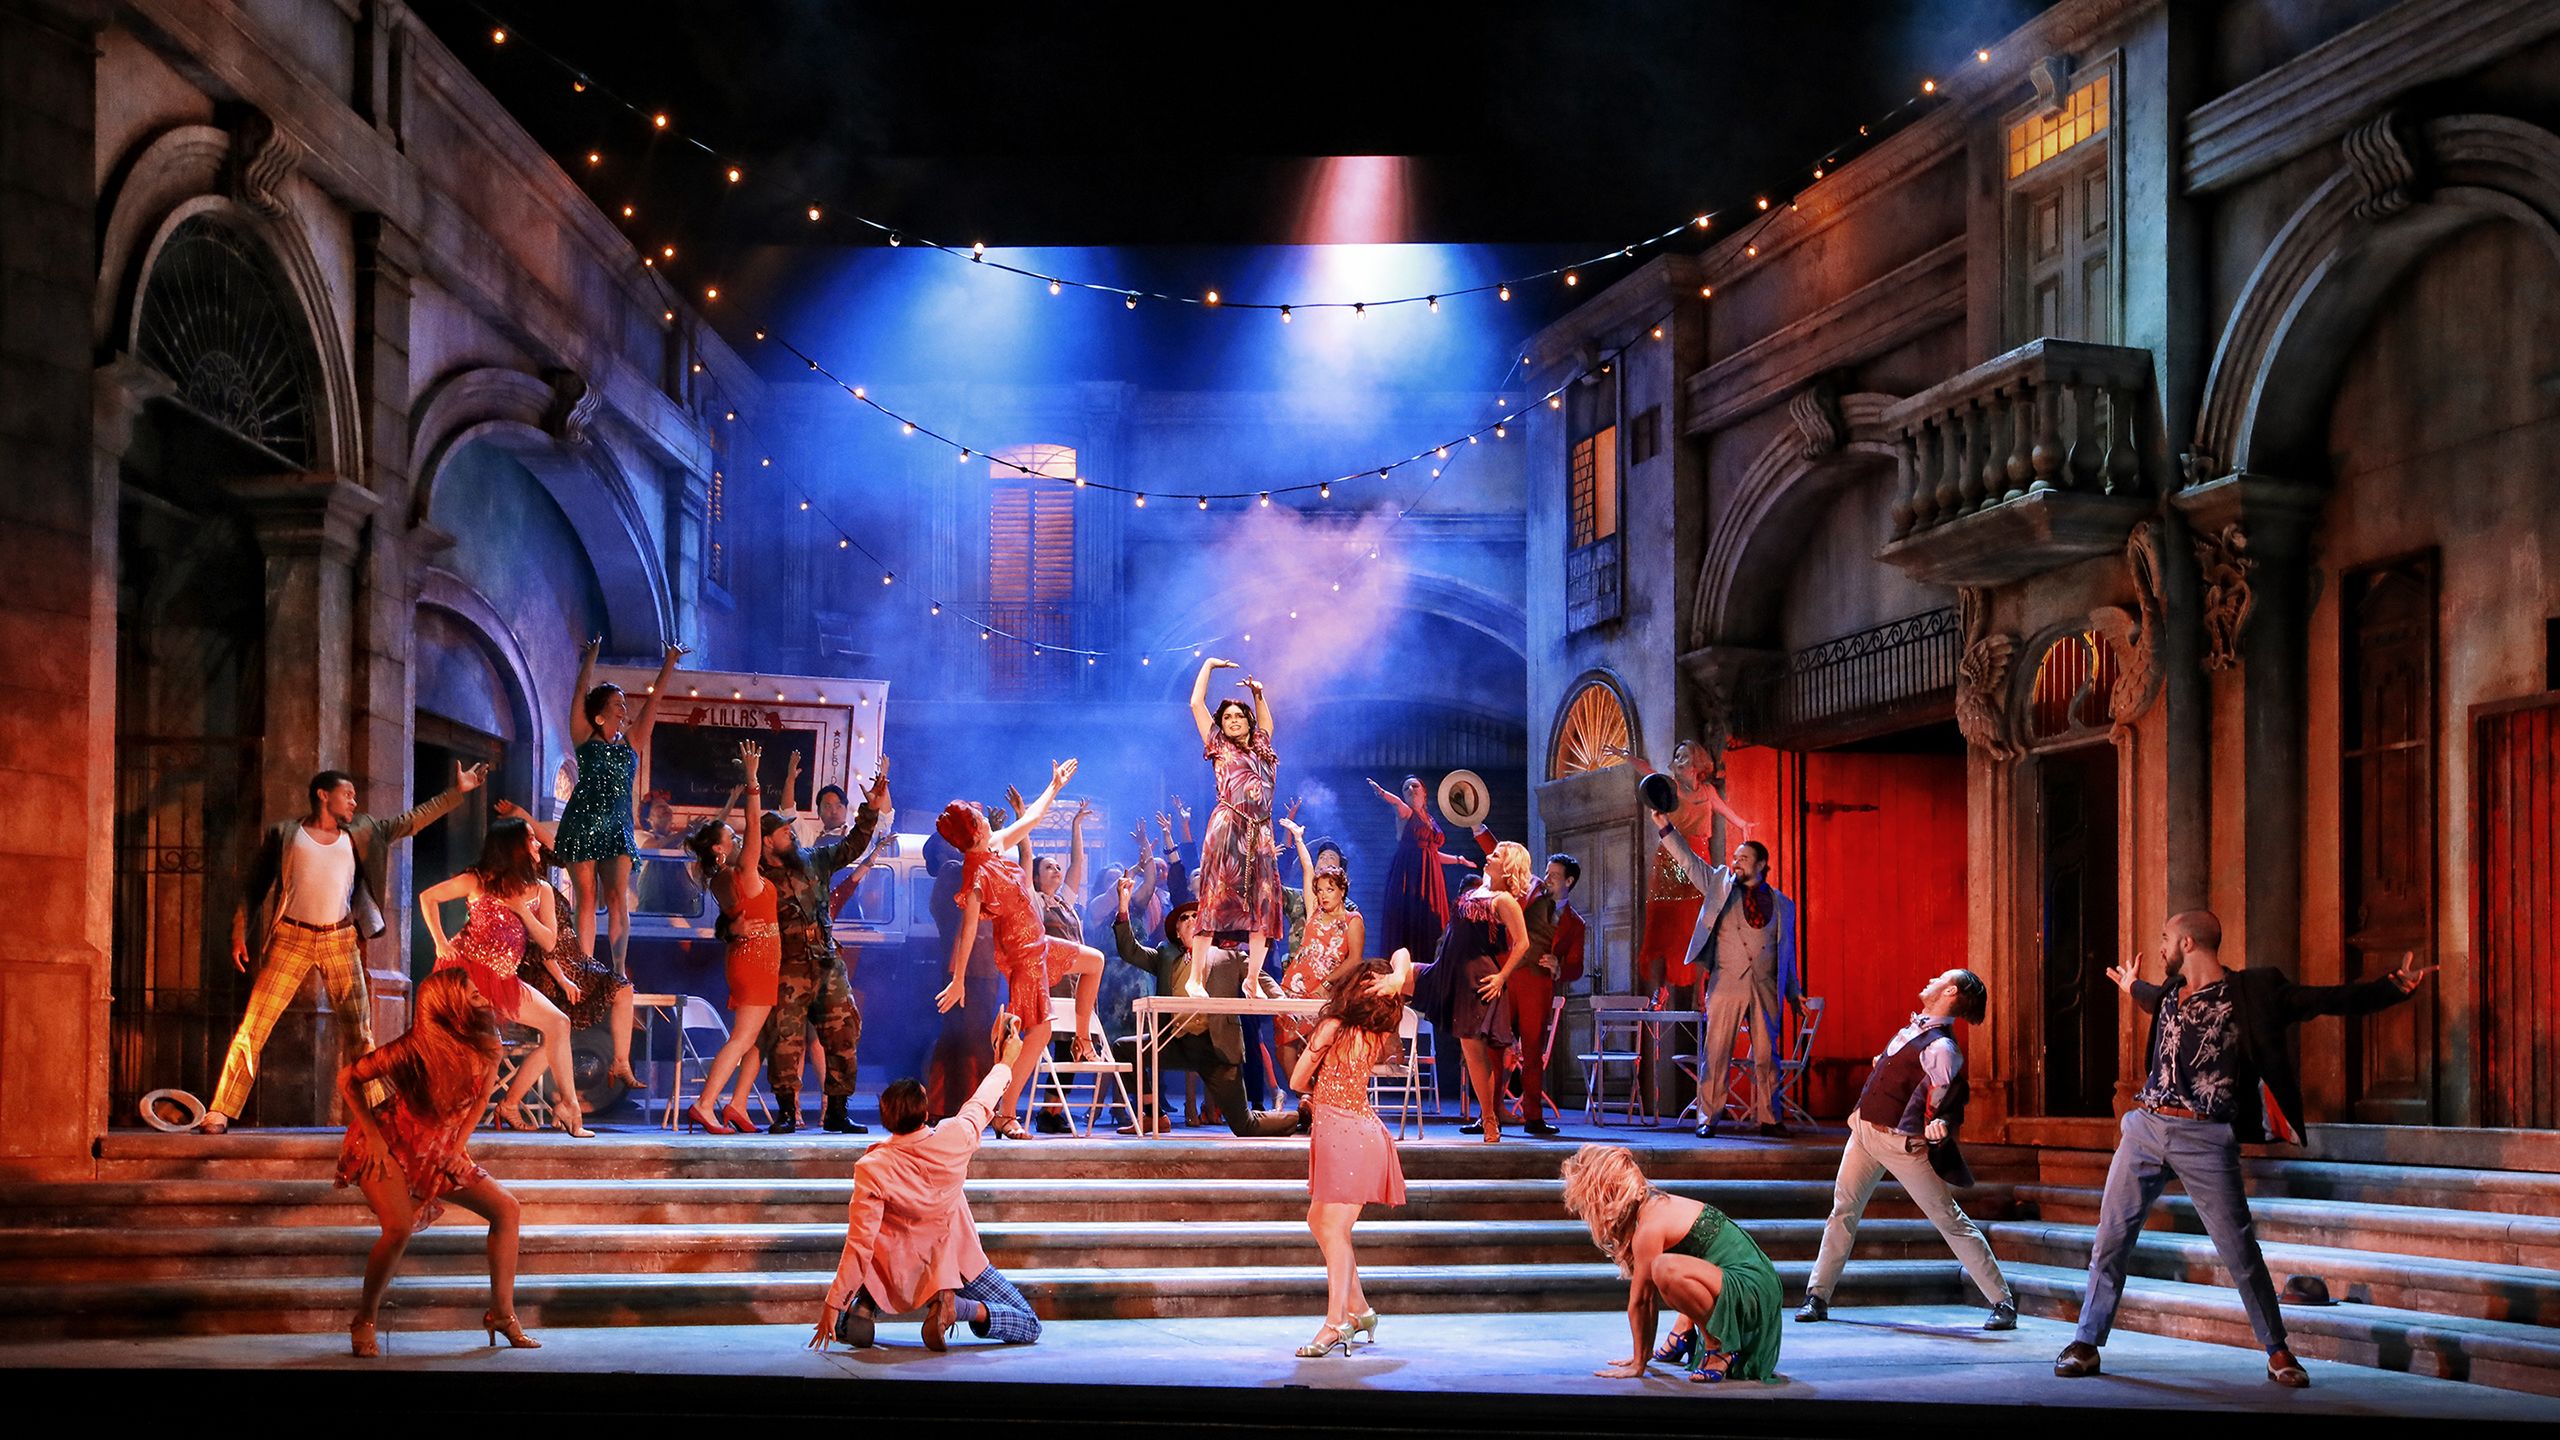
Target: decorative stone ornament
{"points": [[1982, 678], [2134, 635], [2224, 560], [573, 406], [1814, 411], [2383, 158], [263, 158]]}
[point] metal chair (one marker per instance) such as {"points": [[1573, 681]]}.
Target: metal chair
{"points": [[1053, 1079], [512, 1057], [1402, 1079], [1617, 1038], [1792, 1068]]}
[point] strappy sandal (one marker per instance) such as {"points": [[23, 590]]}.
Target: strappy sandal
{"points": [[1675, 1348], [1699, 1374], [1009, 1128]]}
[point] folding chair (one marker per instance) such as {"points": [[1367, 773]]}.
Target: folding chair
{"points": [[1617, 1036], [511, 1058], [1052, 1079], [1792, 1068], [699, 1014], [1402, 1080], [1546, 1056], [1426, 1064]]}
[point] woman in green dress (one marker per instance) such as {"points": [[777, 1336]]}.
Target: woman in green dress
{"points": [[1683, 1253]]}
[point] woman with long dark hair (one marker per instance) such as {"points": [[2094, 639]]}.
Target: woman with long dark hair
{"points": [[1351, 1161], [407, 1154], [1417, 907], [510, 906], [1460, 992], [1238, 884], [594, 831], [1333, 935], [569, 975], [750, 921], [1684, 1254]]}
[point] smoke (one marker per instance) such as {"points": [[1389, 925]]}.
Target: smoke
{"points": [[1304, 600]]}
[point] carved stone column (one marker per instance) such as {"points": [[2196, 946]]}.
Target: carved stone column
{"points": [[381, 721], [2251, 537]]}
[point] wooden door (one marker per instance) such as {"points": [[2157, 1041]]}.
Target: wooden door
{"points": [[2389, 844], [2515, 809], [2077, 925]]}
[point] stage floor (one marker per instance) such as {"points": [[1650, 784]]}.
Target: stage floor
{"points": [[1930, 1357]]}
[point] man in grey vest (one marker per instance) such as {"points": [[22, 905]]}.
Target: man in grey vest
{"points": [[1745, 946]]}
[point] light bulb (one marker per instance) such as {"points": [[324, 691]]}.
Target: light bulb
{"points": [[759, 334], [1382, 472], [858, 393], [1472, 440], [964, 457], [937, 607], [578, 86], [1359, 308], [978, 250], [1324, 492], [1130, 300], [842, 543], [1706, 292], [1088, 659], [1435, 472], [1079, 482], [1982, 57], [1504, 293], [906, 427], [1928, 87], [1204, 502], [1499, 431], [648, 262], [893, 235], [733, 175], [595, 157], [1435, 304], [813, 214], [710, 292], [1142, 500], [1284, 314], [1751, 251], [1337, 587], [804, 504], [1555, 402], [627, 212], [1442, 452], [1266, 499], [668, 316], [729, 415], [1764, 202], [497, 37], [885, 578], [1213, 297], [766, 462], [983, 635], [1053, 287], [659, 119], [1572, 279], [1143, 660], [1657, 332], [1702, 221]]}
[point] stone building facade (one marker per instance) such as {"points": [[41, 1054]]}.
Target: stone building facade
{"points": [[2125, 488], [336, 416]]}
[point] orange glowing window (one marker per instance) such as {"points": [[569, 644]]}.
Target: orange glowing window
{"points": [[2075, 689], [2039, 138], [1595, 720]]}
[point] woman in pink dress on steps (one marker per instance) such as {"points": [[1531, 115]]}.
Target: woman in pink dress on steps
{"points": [[1351, 1161]]}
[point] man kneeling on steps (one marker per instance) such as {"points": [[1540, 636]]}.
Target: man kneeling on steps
{"points": [[909, 1242]]}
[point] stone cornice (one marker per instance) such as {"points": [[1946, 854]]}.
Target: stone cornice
{"points": [[1638, 298], [1912, 299], [2313, 98]]}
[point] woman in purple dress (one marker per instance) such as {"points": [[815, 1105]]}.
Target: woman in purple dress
{"points": [[1238, 884]]}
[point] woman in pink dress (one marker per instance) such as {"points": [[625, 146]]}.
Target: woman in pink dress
{"points": [[1238, 883], [407, 1153], [1333, 931], [1351, 1161], [509, 905]]}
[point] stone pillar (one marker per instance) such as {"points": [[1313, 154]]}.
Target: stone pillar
{"points": [[382, 705], [2251, 541], [57, 618]]}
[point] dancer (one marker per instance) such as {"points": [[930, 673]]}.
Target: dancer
{"points": [[330, 872], [1745, 947], [1684, 1253], [909, 1240], [748, 910], [1321, 940], [1673, 893], [993, 887], [2219, 1076], [1351, 1161], [1555, 957], [1209, 1046], [1461, 992], [594, 829], [1239, 877], [1905, 1121], [1417, 907], [406, 1154], [509, 908], [812, 992], [570, 976]]}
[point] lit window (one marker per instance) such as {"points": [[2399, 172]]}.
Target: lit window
{"points": [[1595, 720], [2039, 138]]}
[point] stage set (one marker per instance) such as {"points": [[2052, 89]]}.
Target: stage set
{"points": [[1788, 720]]}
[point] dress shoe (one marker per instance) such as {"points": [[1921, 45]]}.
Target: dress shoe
{"points": [[2079, 1358], [2284, 1370], [1052, 1122], [856, 1327], [1472, 1127], [1815, 1309], [939, 1318], [1541, 1129], [785, 1122], [2004, 1316], [839, 1117], [1773, 1132]]}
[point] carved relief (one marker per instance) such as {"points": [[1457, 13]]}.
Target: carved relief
{"points": [[1982, 678], [573, 405], [2134, 635], [2224, 560], [2384, 161], [262, 160], [1815, 413]]}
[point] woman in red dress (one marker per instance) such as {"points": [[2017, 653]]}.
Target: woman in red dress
{"points": [[1238, 883], [1417, 907], [1335, 934], [751, 923], [406, 1154], [509, 905], [1351, 1161], [1031, 959]]}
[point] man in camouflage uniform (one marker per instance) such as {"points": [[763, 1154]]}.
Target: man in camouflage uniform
{"points": [[814, 994]]}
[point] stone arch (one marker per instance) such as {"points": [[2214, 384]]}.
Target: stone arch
{"points": [[473, 613], [2280, 354], [1599, 677], [541, 426], [1787, 478], [180, 174]]}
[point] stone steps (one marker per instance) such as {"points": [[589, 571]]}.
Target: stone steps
{"points": [[454, 1302], [2468, 1236], [2505, 1192], [33, 1257], [2502, 1353]]}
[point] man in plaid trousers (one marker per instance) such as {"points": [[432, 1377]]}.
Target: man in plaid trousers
{"points": [[329, 873]]}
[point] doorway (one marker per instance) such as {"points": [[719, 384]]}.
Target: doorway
{"points": [[2077, 926], [447, 847], [2387, 710]]}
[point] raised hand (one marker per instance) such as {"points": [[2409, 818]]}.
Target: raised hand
{"points": [[1294, 802], [676, 652], [790, 768], [1290, 824], [510, 810], [467, 778], [1013, 797], [750, 757], [1083, 812], [1127, 883], [1181, 807], [2411, 974], [1060, 772], [1217, 664], [2125, 974], [1253, 685], [593, 647], [877, 797], [1008, 1039]]}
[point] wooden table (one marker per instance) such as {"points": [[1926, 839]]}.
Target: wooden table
{"points": [[1157, 1014]]}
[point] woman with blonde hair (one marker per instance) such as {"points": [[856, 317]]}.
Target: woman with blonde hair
{"points": [[1686, 1253], [1460, 993], [407, 1156]]}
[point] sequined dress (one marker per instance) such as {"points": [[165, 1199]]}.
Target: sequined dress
{"points": [[1311, 962], [1024, 951], [1351, 1160], [754, 959], [1239, 877], [596, 823], [491, 949]]}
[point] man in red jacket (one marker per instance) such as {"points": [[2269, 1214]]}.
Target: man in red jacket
{"points": [[1555, 956]]}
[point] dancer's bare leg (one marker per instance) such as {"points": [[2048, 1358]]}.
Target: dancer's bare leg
{"points": [[1480, 1072], [748, 1069], [734, 1053], [621, 1026], [582, 891], [542, 1015], [1331, 1223], [615, 876], [1690, 1285], [1035, 1041], [490, 1201], [1088, 973], [387, 1191]]}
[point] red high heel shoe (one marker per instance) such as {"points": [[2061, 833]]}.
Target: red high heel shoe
{"points": [[707, 1124], [736, 1115]]}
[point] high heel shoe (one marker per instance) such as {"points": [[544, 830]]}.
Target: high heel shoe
{"points": [[511, 1117], [1675, 1347], [1364, 1323], [364, 1340], [703, 1118], [1320, 1347], [497, 1325], [576, 1127], [736, 1115]]}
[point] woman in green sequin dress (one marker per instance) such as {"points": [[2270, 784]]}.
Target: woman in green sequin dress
{"points": [[594, 828], [1685, 1254]]}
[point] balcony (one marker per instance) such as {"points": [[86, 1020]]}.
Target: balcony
{"points": [[2026, 462]]}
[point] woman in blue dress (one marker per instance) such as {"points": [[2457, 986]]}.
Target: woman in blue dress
{"points": [[593, 834]]}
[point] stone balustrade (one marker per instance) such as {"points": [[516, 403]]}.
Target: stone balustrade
{"points": [[2049, 416]]}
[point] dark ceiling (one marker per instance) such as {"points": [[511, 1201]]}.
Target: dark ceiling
{"points": [[1595, 121]]}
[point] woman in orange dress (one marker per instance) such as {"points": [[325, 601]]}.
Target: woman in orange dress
{"points": [[750, 922], [407, 1154], [1351, 1161]]}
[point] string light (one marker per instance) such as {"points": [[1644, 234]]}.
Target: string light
{"points": [[595, 157], [813, 213], [1142, 500], [1266, 499], [736, 175], [1435, 304], [1284, 314], [1213, 297], [1503, 293], [1053, 287], [1130, 301], [627, 212], [498, 37], [1928, 87], [1204, 502], [659, 119], [1572, 279]]}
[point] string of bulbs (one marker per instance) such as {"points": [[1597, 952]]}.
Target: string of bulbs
{"points": [[661, 122]]}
